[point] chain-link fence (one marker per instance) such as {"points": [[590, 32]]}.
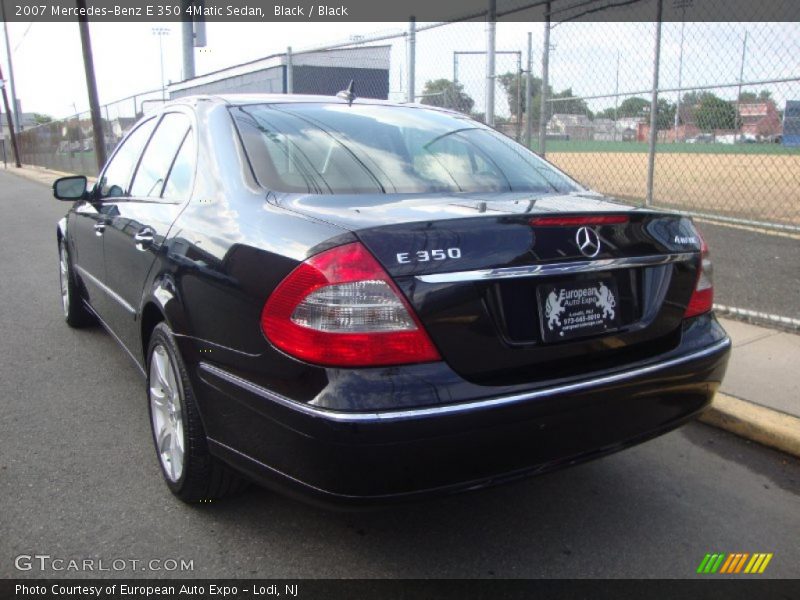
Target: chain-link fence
{"points": [[68, 144], [723, 95], [698, 116]]}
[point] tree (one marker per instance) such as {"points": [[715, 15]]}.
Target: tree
{"points": [[689, 104], [640, 107], [633, 107], [665, 118], [447, 94], [695, 98], [569, 105], [41, 119], [750, 97], [510, 83], [630, 107], [715, 113]]}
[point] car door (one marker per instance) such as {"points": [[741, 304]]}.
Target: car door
{"points": [[89, 219], [135, 233]]}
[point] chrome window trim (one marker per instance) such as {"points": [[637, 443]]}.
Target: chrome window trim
{"points": [[434, 411], [557, 268]]}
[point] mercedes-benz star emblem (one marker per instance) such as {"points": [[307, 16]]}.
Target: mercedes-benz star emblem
{"points": [[588, 242]]}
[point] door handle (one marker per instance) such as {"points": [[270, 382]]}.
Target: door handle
{"points": [[99, 228], [144, 238]]}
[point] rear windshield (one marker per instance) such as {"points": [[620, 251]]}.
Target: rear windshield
{"points": [[367, 149]]}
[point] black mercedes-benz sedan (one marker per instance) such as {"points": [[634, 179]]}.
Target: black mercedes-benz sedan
{"points": [[359, 301]]}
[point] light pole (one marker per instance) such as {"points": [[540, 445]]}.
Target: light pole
{"points": [[12, 85], [160, 32], [11, 132]]}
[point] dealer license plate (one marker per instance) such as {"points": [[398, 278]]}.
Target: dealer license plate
{"points": [[578, 308]]}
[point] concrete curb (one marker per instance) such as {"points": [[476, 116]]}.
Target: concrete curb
{"points": [[755, 422]]}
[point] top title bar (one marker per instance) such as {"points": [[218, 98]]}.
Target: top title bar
{"points": [[422, 10]]}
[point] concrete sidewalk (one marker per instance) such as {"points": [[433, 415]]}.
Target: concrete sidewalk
{"points": [[40, 174], [760, 397]]}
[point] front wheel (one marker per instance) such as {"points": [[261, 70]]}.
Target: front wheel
{"points": [[75, 313], [190, 471]]}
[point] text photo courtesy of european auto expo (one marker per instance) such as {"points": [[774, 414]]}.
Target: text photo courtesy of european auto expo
{"points": [[456, 299]]}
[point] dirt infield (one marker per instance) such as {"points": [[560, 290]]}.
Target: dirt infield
{"points": [[751, 186]]}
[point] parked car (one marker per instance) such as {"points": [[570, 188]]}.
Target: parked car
{"points": [[360, 301], [701, 138]]}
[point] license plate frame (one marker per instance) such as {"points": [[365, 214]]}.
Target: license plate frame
{"points": [[578, 309]]}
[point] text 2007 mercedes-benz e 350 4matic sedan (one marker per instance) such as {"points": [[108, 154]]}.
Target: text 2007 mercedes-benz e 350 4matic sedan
{"points": [[361, 301]]}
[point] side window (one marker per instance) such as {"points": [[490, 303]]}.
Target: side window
{"points": [[117, 176], [181, 175], [159, 155]]}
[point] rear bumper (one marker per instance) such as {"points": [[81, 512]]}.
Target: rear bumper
{"points": [[363, 457]]}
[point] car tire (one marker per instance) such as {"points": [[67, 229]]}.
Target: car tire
{"points": [[75, 312], [189, 469]]}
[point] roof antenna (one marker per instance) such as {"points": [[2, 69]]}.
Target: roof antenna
{"points": [[348, 94]]}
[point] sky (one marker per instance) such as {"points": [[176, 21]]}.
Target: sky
{"points": [[592, 58]]}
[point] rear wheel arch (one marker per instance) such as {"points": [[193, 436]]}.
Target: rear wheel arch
{"points": [[152, 315], [61, 228]]}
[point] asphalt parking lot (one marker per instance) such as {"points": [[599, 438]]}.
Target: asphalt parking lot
{"points": [[79, 478], [753, 270]]}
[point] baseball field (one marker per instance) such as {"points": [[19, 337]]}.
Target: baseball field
{"points": [[749, 185]]}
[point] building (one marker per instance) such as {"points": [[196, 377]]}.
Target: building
{"points": [[759, 119], [791, 124], [26, 121], [323, 72], [576, 127], [605, 130], [682, 133]]}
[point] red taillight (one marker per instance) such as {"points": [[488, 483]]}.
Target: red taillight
{"points": [[576, 221], [702, 299], [340, 308]]}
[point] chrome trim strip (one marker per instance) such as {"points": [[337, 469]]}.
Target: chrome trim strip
{"points": [[558, 268], [106, 289], [433, 411]]}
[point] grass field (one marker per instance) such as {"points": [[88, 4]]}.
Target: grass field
{"points": [[751, 186], [666, 148]]}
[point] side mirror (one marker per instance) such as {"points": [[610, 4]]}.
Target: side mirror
{"points": [[70, 188]]}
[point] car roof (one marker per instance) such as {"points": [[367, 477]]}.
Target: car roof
{"points": [[246, 99]]}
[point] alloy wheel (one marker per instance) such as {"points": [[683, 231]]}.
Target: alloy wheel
{"points": [[64, 278], [166, 414]]}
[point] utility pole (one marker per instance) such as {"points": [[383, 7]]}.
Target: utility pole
{"points": [[8, 120], [289, 71], [680, 79], [13, 85], [616, 98], [737, 124], [412, 58], [187, 41], [651, 154], [160, 32], [545, 82], [490, 61], [528, 94], [91, 87]]}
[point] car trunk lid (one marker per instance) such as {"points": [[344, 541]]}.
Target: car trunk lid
{"points": [[513, 288]]}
